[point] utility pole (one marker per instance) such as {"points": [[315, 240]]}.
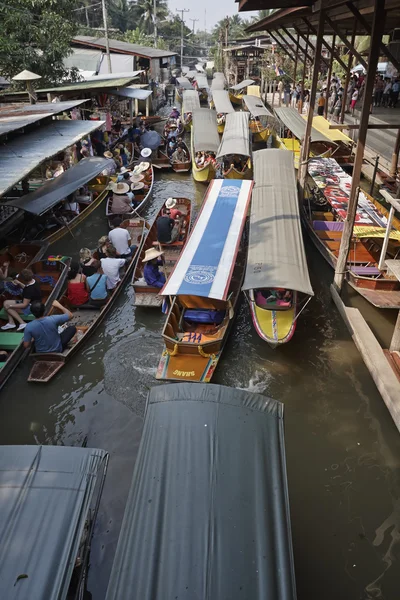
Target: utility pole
{"points": [[103, 5], [182, 10], [155, 22], [193, 21]]}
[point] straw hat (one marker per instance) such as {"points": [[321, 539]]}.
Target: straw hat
{"points": [[141, 168], [152, 253], [123, 170], [146, 152], [108, 154], [173, 126], [139, 185], [120, 188], [171, 202], [136, 178]]}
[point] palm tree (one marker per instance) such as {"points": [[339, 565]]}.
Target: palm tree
{"points": [[144, 10]]}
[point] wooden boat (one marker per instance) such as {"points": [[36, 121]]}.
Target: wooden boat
{"points": [[261, 118], [237, 91], [223, 107], [161, 161], [236, 99], [182, 167], [203, 304], [22, 255], [201, 85], [323, 215], [190, 102], [343, 152], [204, 138], [146, 295], [143, 198], [179, 130], [182, 85], [51, 274], [276, 280], [235, 147], [86, 319]]}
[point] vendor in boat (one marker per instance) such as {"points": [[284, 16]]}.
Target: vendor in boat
{"points": [[174, 113], [172, 131], [151, 272], [124, 175], [168, 228], [111, 168], [121, 240], [171, 145], [77, 293], [121, 203], [172, 211], [144, 157], [179, 155], [111, 266], [43, 331], [15, 308]]}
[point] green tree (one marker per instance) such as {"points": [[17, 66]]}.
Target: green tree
{"points": [[123, 14], [35, 35]]}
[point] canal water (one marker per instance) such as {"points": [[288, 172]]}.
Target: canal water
{"points": [[343, 450]]}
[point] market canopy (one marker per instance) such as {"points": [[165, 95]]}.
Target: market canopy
{"points": [[256, 106], [45, 495], [204, 130], [276, 257], [201, 81], [205, 266], [184, 83], [221, 102], [297, 125], [242, 85], [52, 192], [236, 137], [335, 135], [207, 516], [190, 101]]}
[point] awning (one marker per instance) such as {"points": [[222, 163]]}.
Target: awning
{"points": [[184, 83], [205, 132], [207, 514], [256, 106], [221, 102], [297, 125], [190, 101], [45, 496], [23, 154], [205, 266], [335, 135], [134, 93], [217, 84], [242, 85], [52, 192], [202, 82], [276, 256], [236, 137]]}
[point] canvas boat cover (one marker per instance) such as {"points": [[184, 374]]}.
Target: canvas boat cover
{"points": [[242, 85], [205, 132], [191, 74], [190, 101], [205, 266], [335, 135], [52, 192], [184, 83], [218, 75], [256, 106], [207, 516], [221, 102], [236, 137], [217, 84], [202, 82], [297, 125], [45, 495], [276, 256]]}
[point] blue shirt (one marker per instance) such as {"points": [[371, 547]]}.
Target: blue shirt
{"points": [[153, 276], [100, 291], [45, 334]]}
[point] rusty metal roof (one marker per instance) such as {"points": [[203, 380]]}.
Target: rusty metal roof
{"points": [[19, 116]]}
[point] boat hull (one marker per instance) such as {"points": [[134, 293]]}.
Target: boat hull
{"points": [[274, 326], [237, 100]]}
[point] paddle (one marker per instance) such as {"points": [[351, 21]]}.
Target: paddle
{"points": [[68, 227]]}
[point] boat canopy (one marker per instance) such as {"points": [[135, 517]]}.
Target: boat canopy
{"points": [[205, 132], [276, 256], [297, 125], [217, 84], [191, 74], [190, 101], [184, 83], [335, 135], [221, 102], [52, 192], [207, 514], [256, 106], [202, 82], [218, 75], [205, 266], [45, 496], [236, 137], [242, 85]]}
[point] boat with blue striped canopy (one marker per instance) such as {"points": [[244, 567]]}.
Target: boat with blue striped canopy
{"points": [[205, 285]]}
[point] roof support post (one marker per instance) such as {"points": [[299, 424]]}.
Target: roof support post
{"points": [[348, 73], [305, 146], [289, 35], [346, 42], [328, 86], [376, 36], [280, 44], [395, 156], [300, 107], [296, 60], [395, 343], [325, 43]]}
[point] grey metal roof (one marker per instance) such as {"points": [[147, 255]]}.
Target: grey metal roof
{"points": [[45, 494], [256, 106], [297, 125], [98, 83], [204, 130], [20, 156], [123, 47], [242, 85], [207, 516], [128, 92], [236, 136], [190, 101], [276, 257], [221, 102], [191, 74], [184, 83], [202, 82], [217, 84], [14, 117]]}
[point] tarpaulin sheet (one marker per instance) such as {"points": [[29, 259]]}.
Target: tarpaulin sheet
{"points": [[52, 192], [119, 63], [276, 257], [190, 101], [83, 59], [205, 132], [297, 125], [184, 83], [256, 106], [45, 495], [207, 517], [236, 137], [221, 102], [242, 85]]}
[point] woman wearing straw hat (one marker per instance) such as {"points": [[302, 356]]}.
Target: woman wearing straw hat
{"points": [[111, 168], [121, 203], [151, 273]]}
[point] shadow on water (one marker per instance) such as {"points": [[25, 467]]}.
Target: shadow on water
{"points": [[342, 448]]}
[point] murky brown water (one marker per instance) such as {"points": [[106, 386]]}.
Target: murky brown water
{"points": [[343, 451]]}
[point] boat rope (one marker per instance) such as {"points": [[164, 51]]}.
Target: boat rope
{"points": [[173, 353], [22, 257], [204, 354]]}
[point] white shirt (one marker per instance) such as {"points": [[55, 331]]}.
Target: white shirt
{"points": [[111, 267], [119, 238]]}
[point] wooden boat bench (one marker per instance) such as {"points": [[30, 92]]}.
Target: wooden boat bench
{"points": [[9, 341], [3, 315], [366, 271]]}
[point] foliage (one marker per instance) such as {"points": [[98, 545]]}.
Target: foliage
{"points": [[35, 35]]}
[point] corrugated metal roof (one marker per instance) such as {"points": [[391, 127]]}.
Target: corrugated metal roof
{"points": [[202, 82], [90, 85], [128, 92], [297, 125], [124, 47], [190, 101], [204, 130], [14, 116], [236, 137], [256, 106], [222, 102], [20, 156]]}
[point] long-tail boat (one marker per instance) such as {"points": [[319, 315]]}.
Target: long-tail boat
{"points": [[167, 128], [238, 91], [276, 283], [223, 106], [145, 295], [205, 285], [204, 138], [86, 318], [235, 147], [343, 152], [324, 212], [201, 85], [261, 118], [190, 102], [142, 196], [182, 85], [185, 165]]}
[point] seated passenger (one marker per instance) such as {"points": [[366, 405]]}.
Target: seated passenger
{"points": [[77, 293], [171, 145], [179, 155], [151, 273], [174, 113], [121, 240], [166, 230], [96, 286], [43, 331], [103, 244], [86, 262], [71, 206], [111, 266], [30, 292], [121, 203]]}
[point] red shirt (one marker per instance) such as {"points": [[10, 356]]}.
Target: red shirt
{"points": [[77, 293], [174, 213]]}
